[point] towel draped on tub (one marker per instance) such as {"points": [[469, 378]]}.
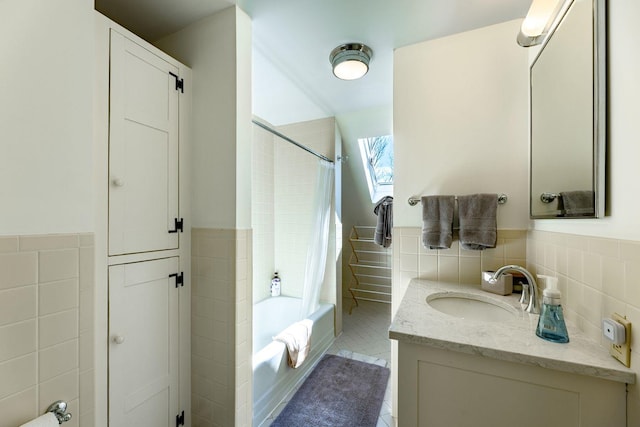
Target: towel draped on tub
{"points": [[297, 339]]}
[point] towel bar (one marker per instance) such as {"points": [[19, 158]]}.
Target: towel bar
{"points": [[549, 197], [59, 409], [502, 199]]}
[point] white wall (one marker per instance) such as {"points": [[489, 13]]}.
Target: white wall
{"points": [[623, 151], [460, 121], [218, 50], [244, 129], [46, 116], [277, 98]]}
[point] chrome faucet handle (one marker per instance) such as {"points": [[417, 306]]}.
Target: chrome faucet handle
{"points": [[529, 294], [524, 298], [534, 305]]}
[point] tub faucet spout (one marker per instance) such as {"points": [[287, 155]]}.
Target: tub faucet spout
{"points": [[533, 306]]}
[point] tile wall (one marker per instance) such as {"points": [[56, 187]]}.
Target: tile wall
{"points": [[295, 181], [262, 211], [284, 178], [221, 327], [243, 329], [456, 265], [597, 277], [46, 326]]}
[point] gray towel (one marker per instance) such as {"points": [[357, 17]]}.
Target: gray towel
{"points": [[437, 221], [578, 203], [384, 210], [478, 228]]}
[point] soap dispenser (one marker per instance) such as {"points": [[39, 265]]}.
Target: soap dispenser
{"points": [[275, 285], [551, 325]]}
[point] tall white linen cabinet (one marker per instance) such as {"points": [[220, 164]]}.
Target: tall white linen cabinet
{"points": [[143, 300]]}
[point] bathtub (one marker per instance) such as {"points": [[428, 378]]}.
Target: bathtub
{"points": [[272, 377]]}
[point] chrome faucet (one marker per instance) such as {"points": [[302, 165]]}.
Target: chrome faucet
{"points": [[533, 306]]}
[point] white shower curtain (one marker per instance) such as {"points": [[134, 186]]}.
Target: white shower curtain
{"points": [[319, 240]]}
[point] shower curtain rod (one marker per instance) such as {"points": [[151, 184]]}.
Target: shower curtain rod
{"points": [[286, 138]]}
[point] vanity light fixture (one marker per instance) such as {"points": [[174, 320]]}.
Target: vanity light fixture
{"points": [[350, 61], [538, 21]]}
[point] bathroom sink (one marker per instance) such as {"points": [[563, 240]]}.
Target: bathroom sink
{"points": [[471, 306]]}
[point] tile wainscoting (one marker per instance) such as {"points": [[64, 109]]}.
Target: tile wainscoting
{"points": [[455, 265], [597, 277], [46, 326], [221, 327]]}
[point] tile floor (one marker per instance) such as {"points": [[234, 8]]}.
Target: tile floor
{"points": [[364, 337]]}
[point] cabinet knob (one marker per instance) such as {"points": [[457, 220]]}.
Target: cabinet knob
{"points": [[118, 339], [118, 182]]}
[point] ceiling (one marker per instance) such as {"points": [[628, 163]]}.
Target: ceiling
{"points": [[292, 78]]}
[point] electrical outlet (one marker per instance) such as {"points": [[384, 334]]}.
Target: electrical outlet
{"points": [[622, 352]]}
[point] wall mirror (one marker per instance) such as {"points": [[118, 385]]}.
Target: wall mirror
{"points": [[567, 122]]}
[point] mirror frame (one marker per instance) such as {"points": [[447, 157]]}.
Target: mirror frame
{"points": [[599, 112]]}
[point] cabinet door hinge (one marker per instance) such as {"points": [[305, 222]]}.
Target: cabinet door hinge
{"points": [[179, 278], [178, 225], [180, 419], [179, 82]]}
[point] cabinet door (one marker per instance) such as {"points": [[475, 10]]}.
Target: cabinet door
{"points": [[143, 344], [440, 387], [143, 150]]}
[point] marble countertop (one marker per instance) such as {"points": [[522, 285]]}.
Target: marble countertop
{"points": [[417, 322]]}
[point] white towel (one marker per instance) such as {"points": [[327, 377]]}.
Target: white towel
{"points": [[46, 420], [297, 339]]}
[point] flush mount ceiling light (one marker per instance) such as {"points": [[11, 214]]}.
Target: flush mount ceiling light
{"points": [[538, 21], [350, 61]]}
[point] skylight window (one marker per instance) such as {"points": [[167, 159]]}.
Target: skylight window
{"points": [[377, 159]]}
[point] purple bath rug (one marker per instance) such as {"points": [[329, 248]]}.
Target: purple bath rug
{"points": [[339, 392]]}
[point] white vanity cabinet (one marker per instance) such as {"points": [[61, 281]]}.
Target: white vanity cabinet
{"points": [[440, 388], [465, 370]]}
